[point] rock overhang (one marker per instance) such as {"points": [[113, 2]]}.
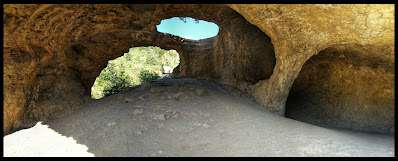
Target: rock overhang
{"points": [[74, 42]]}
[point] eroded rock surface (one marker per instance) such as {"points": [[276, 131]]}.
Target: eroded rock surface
{"points": [[54, 52], [345, 86]]}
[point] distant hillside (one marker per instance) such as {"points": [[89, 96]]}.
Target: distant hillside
{"points": [[139, 65]]}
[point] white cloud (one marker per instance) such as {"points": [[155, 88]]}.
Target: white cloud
{"points": [[188, 36]]}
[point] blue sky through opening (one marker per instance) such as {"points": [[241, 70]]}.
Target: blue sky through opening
{"points": [[188, 30]]}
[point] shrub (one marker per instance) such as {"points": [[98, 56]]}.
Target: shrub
{"points": [[116, 87], [116, 83], [147, 76]]}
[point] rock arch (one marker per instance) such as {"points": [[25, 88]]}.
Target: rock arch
{"points": [[346, 86], [63, 48], [53, 52]]}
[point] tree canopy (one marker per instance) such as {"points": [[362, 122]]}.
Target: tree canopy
{"points": [[139, 65]]}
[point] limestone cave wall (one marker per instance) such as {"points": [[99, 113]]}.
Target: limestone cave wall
{"points": [[342, 87], [232, 58], [54, 52]]}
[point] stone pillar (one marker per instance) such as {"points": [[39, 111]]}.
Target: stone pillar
{"points": [[272, 93]]}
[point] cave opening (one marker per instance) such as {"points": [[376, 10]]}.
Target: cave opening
{"points": [[188, 28], [138, 66], [340, 88], [72, 73]]}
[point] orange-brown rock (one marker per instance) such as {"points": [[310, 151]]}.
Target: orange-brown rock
{"points": [[54, 52]]}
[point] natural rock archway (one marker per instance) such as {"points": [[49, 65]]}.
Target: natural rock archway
{"points": [[346, 86], [54, 52]]}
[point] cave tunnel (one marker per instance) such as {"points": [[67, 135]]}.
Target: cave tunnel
{"points": [[263, 53], [232, 57], [198, 48], [144, 64], [345, 87]]}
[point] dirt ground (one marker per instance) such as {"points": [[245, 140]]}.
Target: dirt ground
{"points": [[187, 117]]}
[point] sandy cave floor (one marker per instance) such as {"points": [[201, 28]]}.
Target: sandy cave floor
{"points": [[186, 117]]}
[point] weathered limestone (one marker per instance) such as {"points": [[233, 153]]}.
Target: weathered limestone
{"points": [[54, 52], [348, 86]]}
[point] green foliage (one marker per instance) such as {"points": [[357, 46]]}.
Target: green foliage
{"points": [[139, 65], [150, 60], [113, 79], [171, 59], [117, 86], [147, 76]]}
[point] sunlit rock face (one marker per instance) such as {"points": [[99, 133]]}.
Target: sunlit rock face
{"points": [[54, 52]]}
